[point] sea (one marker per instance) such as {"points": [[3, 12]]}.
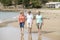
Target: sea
{"points": [[8, 15]]}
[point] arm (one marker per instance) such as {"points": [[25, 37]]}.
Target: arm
{"points": [[45, 18], [42, 21], [34, 17]]}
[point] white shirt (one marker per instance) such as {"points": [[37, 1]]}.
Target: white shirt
{"points": [[29, 18]]}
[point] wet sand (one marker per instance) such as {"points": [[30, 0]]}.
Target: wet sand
{"points": [[12, 33], [50, 29]]}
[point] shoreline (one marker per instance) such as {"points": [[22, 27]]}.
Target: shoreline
{"points": [[34, 9], [6, 22]]}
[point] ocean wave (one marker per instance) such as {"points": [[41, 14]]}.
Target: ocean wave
{"points": [[10, 20], [15, 17]]}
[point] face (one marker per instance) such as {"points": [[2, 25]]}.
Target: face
{"points": [[29, 12], [22, 13], [38, 13]]}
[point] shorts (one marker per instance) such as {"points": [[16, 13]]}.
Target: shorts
{"points": [[22, 25], [39, 25], [29, 25]]}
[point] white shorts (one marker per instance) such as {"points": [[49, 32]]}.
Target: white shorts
{"points": [[29, 24]]}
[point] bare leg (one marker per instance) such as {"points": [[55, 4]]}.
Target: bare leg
{"points": [[29, 33], [22, 33], [41, 26], [21, 30], [39, 30], [39, 37], [30, 30], [29, 36]]}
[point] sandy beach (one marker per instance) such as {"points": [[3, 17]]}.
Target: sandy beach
{"points": [[51, 24]]}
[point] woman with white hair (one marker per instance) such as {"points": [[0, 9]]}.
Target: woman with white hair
{"points": [[29, 21]]}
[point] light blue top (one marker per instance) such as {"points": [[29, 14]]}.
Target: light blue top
{"points": [[38, 18]]}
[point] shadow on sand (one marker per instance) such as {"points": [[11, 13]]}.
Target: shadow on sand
{"points": [[46, 32]]}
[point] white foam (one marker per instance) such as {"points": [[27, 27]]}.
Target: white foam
{"points": [[14, 17], [1, 21]]}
